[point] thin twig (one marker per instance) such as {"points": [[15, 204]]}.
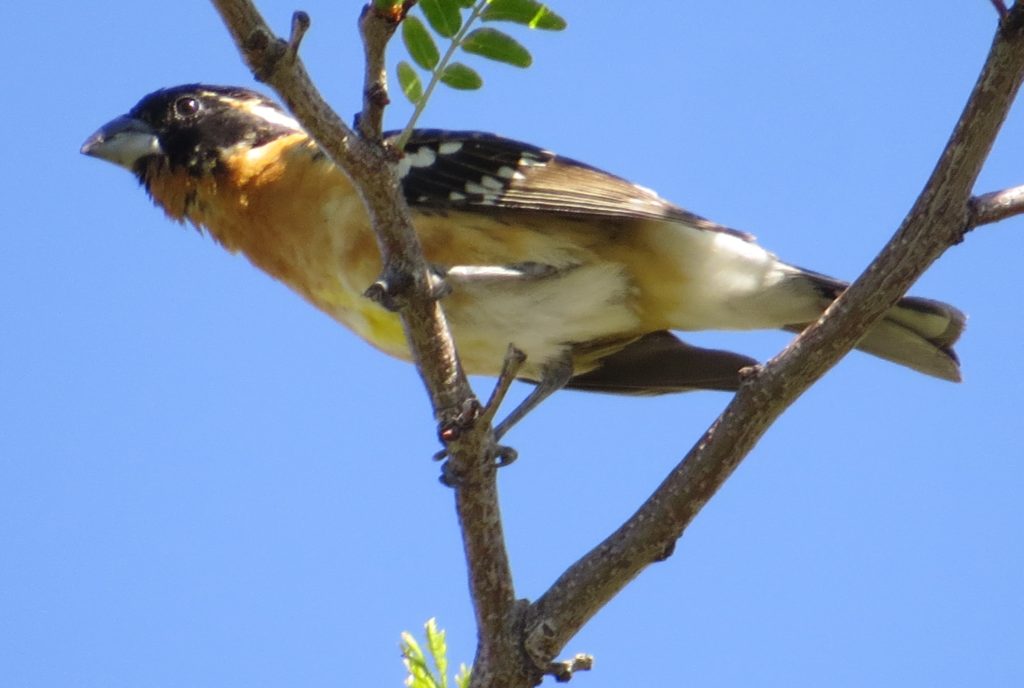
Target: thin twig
{"points": [[564, 671], [300, 25], [377, 27], [995, 206], [435, 77]]}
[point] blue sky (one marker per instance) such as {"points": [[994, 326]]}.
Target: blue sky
{"points": [[205, 482]]}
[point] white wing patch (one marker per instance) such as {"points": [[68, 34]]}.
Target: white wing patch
{"points": [[422, 157]]}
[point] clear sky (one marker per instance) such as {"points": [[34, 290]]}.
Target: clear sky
{"points": [[205, 482]]}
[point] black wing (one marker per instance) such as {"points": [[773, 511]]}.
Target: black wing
{"points": [[660, 363], [448, 170]]}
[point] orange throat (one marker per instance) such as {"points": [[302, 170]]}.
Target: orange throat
{"points": [[294, 215]]}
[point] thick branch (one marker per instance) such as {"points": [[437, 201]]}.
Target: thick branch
{"points": [[939, 219], [408, 284]]}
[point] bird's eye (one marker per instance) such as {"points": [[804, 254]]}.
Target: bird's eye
{"points": [[186, 106]]}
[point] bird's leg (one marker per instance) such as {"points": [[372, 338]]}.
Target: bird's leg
{"points": [[554, 376], [514, 359]]}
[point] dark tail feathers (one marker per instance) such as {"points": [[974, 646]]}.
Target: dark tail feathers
{"points": [[916, 333], [659, 363]]}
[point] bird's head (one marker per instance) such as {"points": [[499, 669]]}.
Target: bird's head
{"points": [[185, 143], [191, 128]]}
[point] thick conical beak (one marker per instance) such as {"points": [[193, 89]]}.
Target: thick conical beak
{"points": [[123, 141]]}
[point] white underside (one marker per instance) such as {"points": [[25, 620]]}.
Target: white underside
{"points": [[733, 284], [726, 283], [542, 316]]}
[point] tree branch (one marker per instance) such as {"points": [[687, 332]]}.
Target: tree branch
{"points": [[376, 30], [939, 218], [995, 206], [407, 283]]}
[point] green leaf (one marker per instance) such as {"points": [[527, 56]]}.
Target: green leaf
{"points": [[438, 648], [458, 75], [462, 678], [527, 12], [416, 663], [444, 16], [410, 648], [386, 5], [497, 45], [410, 82], [419, 43]]}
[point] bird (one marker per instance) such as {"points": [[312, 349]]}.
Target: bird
{"points": [[584, 272]]}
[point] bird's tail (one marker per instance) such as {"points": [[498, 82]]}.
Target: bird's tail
{"points": [[916, 333]]}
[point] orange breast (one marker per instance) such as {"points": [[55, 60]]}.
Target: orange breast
{"points": [[295, 215]]}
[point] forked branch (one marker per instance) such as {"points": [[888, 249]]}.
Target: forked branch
{"points": [[518, 643]]}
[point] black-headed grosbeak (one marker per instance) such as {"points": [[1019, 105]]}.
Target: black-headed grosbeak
{"points": [[583, 271]]}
